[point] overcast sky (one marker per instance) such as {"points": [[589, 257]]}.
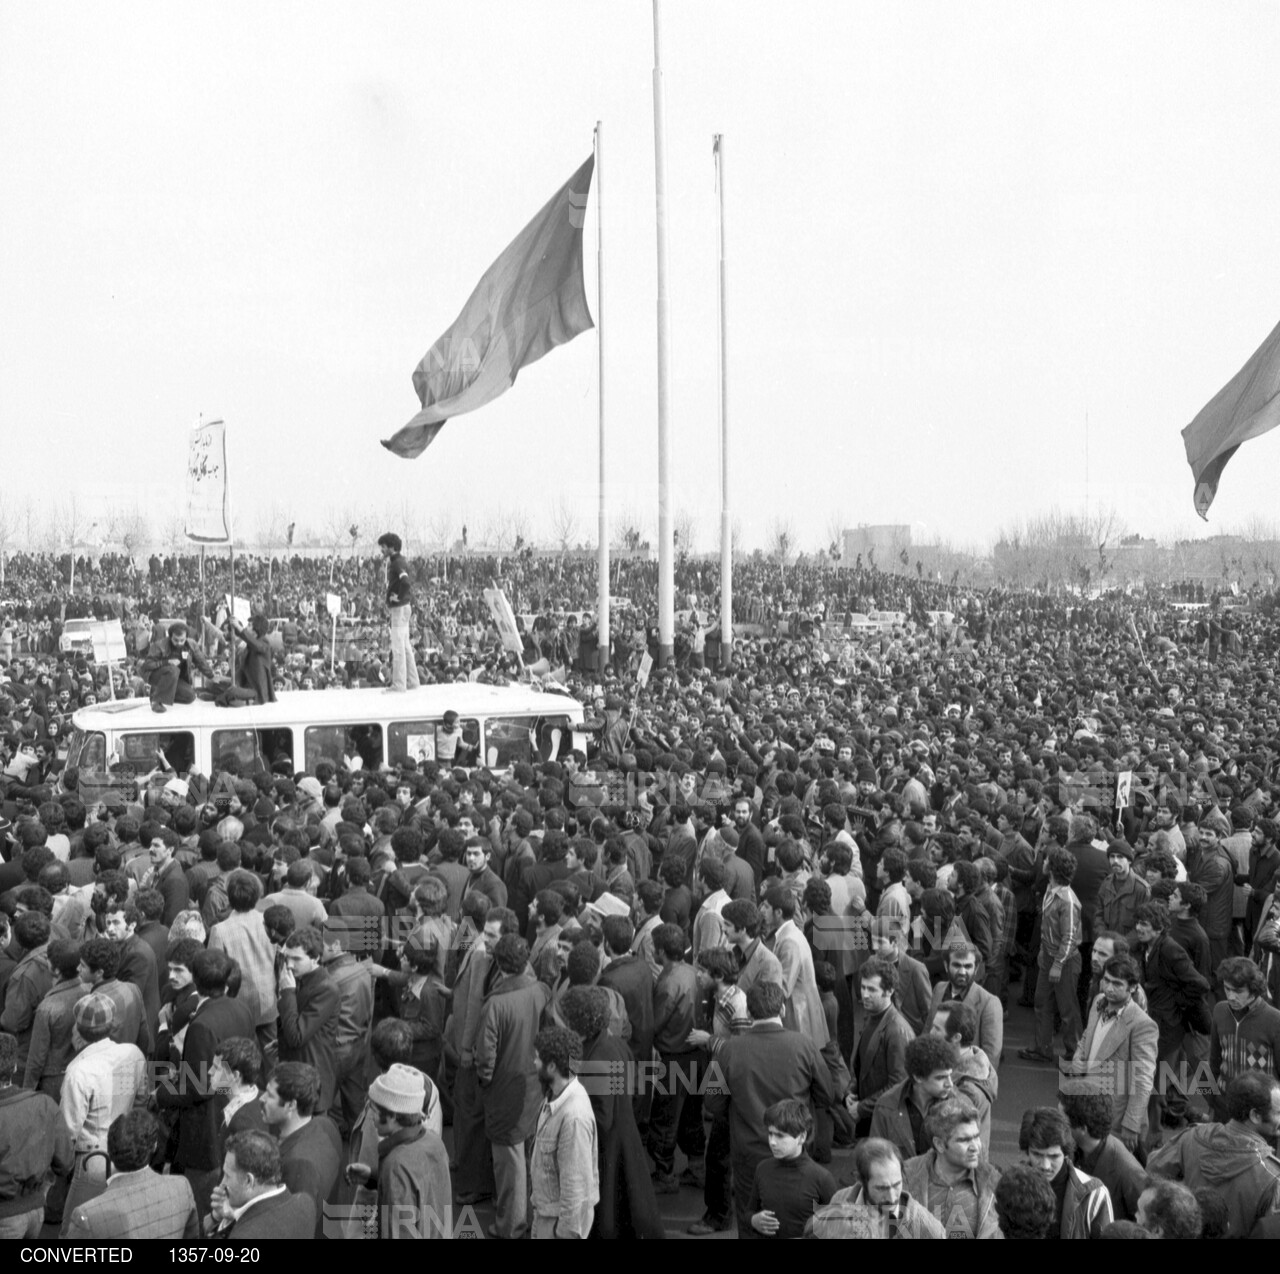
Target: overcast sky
{"points": [[956, 232]]}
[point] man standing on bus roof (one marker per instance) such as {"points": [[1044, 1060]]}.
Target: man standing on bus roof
{"points": [[400, 604], [167, 667]]}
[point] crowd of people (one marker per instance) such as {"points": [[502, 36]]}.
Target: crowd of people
{"points": [[773, 921]]}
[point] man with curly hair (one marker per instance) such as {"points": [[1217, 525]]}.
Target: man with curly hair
{"points": [[565, 1176]]}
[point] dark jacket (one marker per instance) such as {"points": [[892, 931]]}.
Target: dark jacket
{"points": [[765, 1065], [628, 1207], [1213, 870], [1238, 1166], [51, 1047], [309, 1028], [33, 1139], [675, 998], [310, 1160], [198, 1107], [1170, 981], [631, 977], [1092, 869], [253, 667], [1248, 1043], [29, 983], [1117, 1169], [138, 965], [283, 1216], [509, 1086], [880, 1056]]}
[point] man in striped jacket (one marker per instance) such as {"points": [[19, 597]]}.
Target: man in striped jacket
{"points": [[1059, 961]]}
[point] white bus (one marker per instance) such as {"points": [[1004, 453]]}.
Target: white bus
{"points": [[114, 746]]}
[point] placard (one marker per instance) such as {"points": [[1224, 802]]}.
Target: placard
{"points": [[208, 520], [108, 642], [504, 620]]}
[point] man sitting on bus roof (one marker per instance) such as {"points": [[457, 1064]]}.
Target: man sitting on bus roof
{"points": [[167, 667]]}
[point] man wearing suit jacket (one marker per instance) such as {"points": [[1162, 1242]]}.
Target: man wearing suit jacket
{"points": [[803, 1010], [252, 1202], [961, 984], [880, 1057], [138, 1203], [137, 960], [889, 936], [756, 963], [191, 1093], [1118, 1050], [166, 874], [766, 1064], [629, 975], [310, 1006]]}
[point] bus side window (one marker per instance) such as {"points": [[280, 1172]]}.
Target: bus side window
{"points": [[508, 740]]}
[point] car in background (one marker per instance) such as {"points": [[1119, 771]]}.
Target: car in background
{"points": [[76, 639]]}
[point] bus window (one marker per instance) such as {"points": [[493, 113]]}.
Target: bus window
{"points": [[276, 745], [555, 738], [138, 754], [411, 741], [241, 744], [459, 746], [508, 740], [358, 747], [88, 752]]}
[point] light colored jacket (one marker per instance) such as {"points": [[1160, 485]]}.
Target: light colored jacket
{"points": [[1125, 1066], [803, 1010], [564, 1170], [243, 936]]}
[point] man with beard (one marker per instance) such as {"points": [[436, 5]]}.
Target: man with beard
{"points": [[879, 1185], [565, 1176], [961, 984]]}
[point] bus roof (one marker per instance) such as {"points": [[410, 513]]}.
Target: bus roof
{"points": [[321, 707]]}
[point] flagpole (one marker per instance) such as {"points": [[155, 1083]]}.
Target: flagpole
{"points": [[726, 530], [231, 545], [602, 548], [666, 540]]}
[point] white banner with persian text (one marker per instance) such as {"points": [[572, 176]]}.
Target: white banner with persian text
{"points": [[208, 510]]}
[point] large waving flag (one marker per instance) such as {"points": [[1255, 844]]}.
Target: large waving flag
{"points": [[530, 300], [1246, 407]]}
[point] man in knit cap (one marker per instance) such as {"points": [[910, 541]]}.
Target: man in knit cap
{"points": [[414, 1189]]}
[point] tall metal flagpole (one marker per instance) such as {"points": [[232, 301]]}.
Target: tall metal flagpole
{"points": [[231, 545], [666, 540], [726, 529], [602, 548]]}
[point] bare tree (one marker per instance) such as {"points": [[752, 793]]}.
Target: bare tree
{"points": [[564, 524], [686, 530], [270, 525], [440, 524], [628, 529], [520, 525], [8, 532], [128, 528], [833, 535], [173, 531], [782, 538]]}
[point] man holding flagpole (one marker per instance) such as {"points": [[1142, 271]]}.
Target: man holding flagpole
{"points": [[404, 667]]}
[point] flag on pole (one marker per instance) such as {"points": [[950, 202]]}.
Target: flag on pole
{"points": [[1246, 407], [531, 299]]}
